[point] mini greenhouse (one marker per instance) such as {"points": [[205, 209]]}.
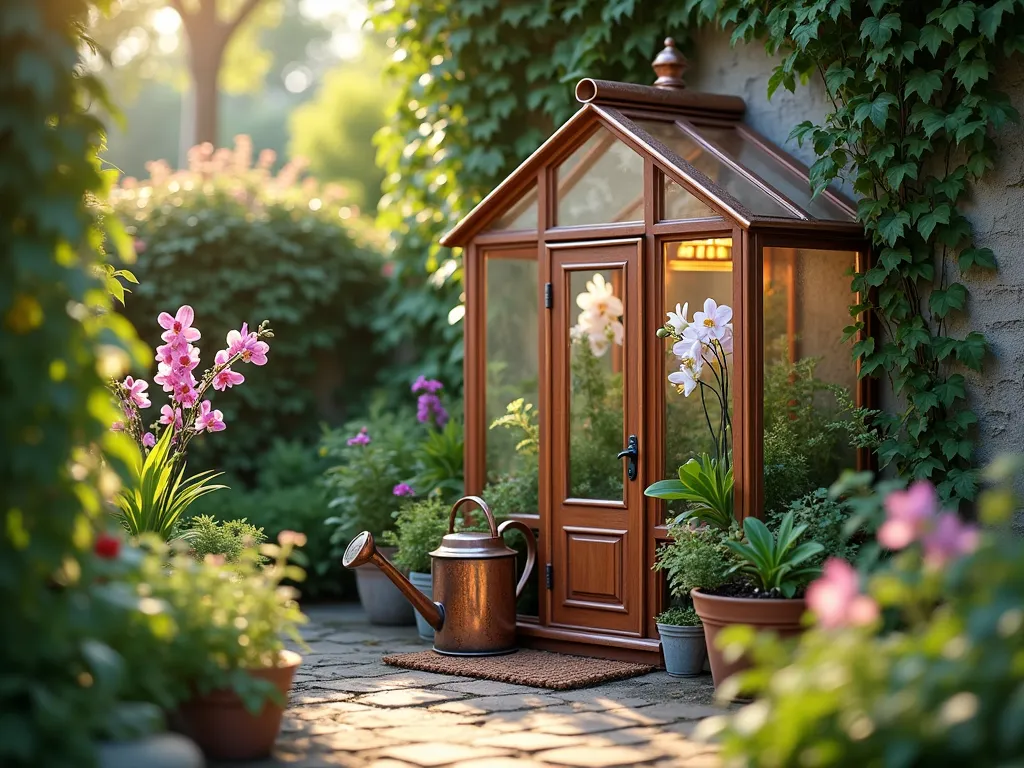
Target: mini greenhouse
{"points": [[649, 197]]}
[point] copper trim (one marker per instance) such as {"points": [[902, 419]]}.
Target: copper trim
{"points": [[681, 101]]}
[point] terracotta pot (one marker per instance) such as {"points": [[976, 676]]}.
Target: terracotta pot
{"points": [[223, 728], [779, 616]]}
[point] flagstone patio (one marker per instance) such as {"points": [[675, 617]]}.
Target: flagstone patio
{"points": [[349, 709]]}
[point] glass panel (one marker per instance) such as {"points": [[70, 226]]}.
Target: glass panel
{"points": [[528, 602], [773, 171], [595, 385], [512, 376], [602, 182], [695, 270], [737, 185], [810, 376], [521, 215], [681, 205]]}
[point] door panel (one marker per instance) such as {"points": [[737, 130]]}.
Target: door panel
{"points": [[596, 511]]}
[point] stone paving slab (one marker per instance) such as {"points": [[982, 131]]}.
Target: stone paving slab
{"points": [[348, 710]]}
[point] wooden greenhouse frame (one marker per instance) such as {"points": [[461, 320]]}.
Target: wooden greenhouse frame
{"points": [[595, 557]]}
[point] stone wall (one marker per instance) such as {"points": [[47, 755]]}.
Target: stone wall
{"points": [[996, 304]]}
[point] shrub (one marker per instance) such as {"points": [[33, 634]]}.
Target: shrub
{"points": [[827, 520], [786, 474], [238, 243], [696, 558], [418, 530], [516, 493], [922, 668], [206, 536]]}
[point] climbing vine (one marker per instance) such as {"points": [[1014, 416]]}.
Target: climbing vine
{"points": [[914, 102], [482, 84]]}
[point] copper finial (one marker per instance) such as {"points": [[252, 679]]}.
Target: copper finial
{"points": [[669, 66]]}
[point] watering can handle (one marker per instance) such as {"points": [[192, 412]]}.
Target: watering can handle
{"points": [[531, 549], [480, 503]]}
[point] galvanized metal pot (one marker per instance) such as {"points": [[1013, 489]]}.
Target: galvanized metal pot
{"points": [[475, 585]]}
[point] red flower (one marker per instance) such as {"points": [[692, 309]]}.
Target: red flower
{"points": [[107, 546]]}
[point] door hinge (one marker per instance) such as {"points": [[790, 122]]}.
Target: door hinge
{"points": [[549, 296], [549, 576]]}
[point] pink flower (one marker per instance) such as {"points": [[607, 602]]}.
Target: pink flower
{"points": [[238, 340], [257, 354], [137, 391], [835, 597], [179, 328], [227, 379], [948, 539], [363, 438], [185, 391], [117, 426], [170, 415], [165, 354], [403, 489], [908, 515], [208, 419], [185, 359], [148, 440]]}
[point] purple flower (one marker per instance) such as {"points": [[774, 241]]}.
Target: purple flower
{"points": [[908, 514], [363, 438], [403, 489], [430, 386], [148, 440], [430, 411], [948, 539]]}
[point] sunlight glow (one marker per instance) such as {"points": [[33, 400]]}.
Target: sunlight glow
{"points": [[166, 21]]}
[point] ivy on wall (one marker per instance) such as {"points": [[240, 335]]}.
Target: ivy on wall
{"points": [[913, 105], [484, 82]]}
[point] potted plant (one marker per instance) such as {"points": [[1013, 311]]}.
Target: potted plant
{"points": [[682, 641], [765, 590], [418, 530]]}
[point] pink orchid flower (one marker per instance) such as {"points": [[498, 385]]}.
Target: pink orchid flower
{"points": [[179, 328], [137, 391], [170, 415], [908, 515], [209, 420], [237, 340], [185, 392], [148, 440], [165, 377], [948, 539], [257, 353], [186, 359], [226, 379], [165, 354], [835, 598]]}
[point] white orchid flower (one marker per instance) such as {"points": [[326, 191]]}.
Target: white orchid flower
{"points": [[677, 320], [711, 323], [599, 299], [691, 364]]}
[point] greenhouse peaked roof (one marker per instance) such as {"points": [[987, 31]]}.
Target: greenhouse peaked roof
{"points": [[697, 141]]}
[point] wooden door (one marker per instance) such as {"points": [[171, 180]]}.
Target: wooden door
{"points": [[596, 519]]}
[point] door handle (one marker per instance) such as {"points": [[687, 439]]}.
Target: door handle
{"points": [[632, 452]]}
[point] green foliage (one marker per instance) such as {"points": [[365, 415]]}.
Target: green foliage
{"points": [[481, 85], [206, 536], [520, 415], [58, 344], [595, 437], [786, 475], [912, 108], [679, 617], [827, 520], [696, 558], [335, 128], [708, 487], [439, 466], [418, 530], [218, 621], [938, 682], [515, 493], [360, 483], [158, 493], [773, 562], [239, 244]]}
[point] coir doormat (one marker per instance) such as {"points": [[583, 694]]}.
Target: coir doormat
{"points": [[539, 669]]}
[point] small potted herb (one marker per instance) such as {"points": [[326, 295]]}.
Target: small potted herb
{"points": [[419, 528], [682, 641]]}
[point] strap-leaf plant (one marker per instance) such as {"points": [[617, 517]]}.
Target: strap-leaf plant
{"points": [[913, 105]]}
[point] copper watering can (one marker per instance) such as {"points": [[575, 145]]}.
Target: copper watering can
{"points": [[474, 583]]}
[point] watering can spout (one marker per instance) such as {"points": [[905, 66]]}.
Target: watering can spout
{"points": [[362, 550]]}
